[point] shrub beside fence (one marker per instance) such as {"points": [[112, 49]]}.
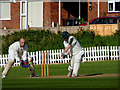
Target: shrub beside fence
{"points": [[54, 56]]}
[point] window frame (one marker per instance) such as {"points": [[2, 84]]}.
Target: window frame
{"points": [[1, 18], [113, 1]]}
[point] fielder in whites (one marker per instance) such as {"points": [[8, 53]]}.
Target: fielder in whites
{"points": [[72, 46], [19, 51]]}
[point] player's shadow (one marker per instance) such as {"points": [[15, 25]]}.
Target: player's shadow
{"points": [[94, 74]]}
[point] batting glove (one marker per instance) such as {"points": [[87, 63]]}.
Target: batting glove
{"points": [[63, 55]]}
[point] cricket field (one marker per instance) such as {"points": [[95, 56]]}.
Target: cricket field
{"points": [[97, 74]]}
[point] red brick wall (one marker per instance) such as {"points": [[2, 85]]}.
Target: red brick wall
{"points": [[93, 13], [113, 14], [46, 14], [14, 23], [51, 13], [103, 10], [55, 12]]}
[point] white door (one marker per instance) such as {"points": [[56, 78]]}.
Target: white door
{"points": [[35, 14]]}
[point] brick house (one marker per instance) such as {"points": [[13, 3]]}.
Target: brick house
{"points": [[20, 15], [99, 9]]}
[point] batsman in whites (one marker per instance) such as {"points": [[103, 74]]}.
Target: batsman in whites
{"points": [[73, 47], [19, 51]]}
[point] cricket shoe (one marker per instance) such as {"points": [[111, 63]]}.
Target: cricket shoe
{"points": [[34, 75], [3, 76], [75, 75], [69, 74]]}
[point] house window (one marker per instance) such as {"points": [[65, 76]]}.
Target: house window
{"points": [[113, 5], [117, 6], [110, 6], [23, 7], [5, 10]]}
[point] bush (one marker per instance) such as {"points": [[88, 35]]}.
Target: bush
{"points": [[36, 40], [47, 40], [85, 38]]}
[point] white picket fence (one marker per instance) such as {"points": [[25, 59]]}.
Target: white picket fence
{"points": [[91, 54]]}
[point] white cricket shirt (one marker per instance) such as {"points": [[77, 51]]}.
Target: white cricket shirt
{"points": [[75, 45]]}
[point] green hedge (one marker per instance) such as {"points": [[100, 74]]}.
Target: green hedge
{"points": [[47, 40]]}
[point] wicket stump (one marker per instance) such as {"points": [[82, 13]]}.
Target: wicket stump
{"points": [[45, 55]]}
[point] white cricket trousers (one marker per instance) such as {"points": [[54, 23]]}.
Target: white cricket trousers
{"points": [[75, 62], [11, 58]]}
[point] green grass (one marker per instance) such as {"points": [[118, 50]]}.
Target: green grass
{"points": [[15, 78]]}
